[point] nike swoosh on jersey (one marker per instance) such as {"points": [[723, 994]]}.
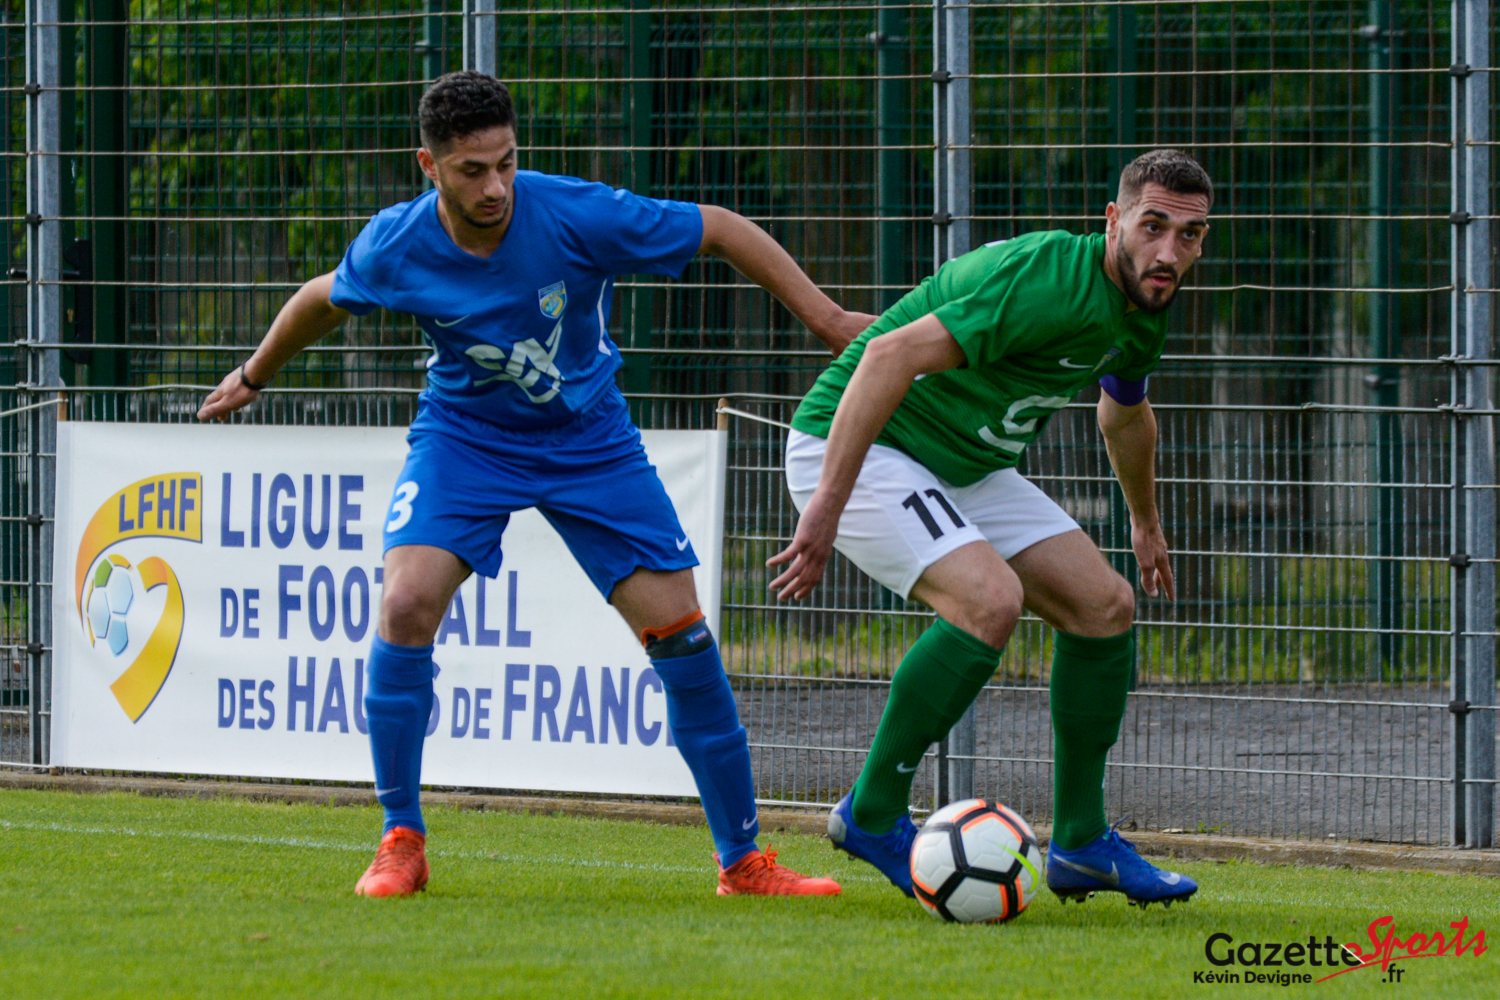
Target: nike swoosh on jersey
{"points": [[1112, 876], [1068, 363], [682, 543], [902, 768], [460, 319]]}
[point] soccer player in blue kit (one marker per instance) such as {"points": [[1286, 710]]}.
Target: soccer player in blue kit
{"points": [[509, 273]]}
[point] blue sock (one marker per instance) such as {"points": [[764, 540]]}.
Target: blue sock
{"points": [[398, 701], [706, 726]]}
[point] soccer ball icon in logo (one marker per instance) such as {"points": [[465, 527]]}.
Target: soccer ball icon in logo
{"points": [[973, 862], [111, 592]]}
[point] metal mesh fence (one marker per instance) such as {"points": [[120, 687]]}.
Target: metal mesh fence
{"points": [[1326, 459]]}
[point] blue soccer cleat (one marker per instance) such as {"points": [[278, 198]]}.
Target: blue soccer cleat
{"points": [[1111, 864], [890, 852]]}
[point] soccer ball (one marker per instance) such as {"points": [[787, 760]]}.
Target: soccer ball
{"points": [[973, 862], [110, 595]]}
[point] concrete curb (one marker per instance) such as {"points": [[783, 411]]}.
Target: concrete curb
{"points": [[1182, 847]]}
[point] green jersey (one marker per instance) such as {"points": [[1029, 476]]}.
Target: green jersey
{"points": [[1037, 319]]}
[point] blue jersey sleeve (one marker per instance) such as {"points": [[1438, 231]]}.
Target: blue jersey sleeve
{"points": [[361, 282], [626, 233]]}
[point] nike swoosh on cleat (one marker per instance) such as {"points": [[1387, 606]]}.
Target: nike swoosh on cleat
{"points": [[682, 543], [1112, 877], [453, 322], [1068, 363], [903, 769], [1171, 878], [747, 824]]}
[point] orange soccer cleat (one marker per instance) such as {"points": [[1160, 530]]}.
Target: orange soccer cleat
{"points": [[400, 865], [758, 874]]}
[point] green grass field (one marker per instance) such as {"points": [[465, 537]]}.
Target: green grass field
{"points": [[116, 896]]}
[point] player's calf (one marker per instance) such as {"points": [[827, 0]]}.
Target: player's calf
{"points": [[706, 727]]}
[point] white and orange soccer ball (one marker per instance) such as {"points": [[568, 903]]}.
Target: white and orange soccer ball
{"points": [[973, 862]]}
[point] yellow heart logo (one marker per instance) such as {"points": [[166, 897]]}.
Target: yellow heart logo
{"points": [[165, 506]]}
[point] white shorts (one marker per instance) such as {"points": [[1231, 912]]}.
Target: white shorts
{"points": [[901, 518]]}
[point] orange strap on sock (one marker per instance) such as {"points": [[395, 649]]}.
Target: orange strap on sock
{"points": [[648, 634]]}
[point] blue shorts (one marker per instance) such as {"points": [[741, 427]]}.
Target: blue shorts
{"points": [[590, 479]]}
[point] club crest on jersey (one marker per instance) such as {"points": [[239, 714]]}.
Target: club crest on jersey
{"points": [[553, 299], [1109, 355]]}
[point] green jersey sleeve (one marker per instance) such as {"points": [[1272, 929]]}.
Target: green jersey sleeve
{"points": [[1146, 357], [991, 309]]}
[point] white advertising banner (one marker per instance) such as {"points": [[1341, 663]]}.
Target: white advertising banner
{"points": [[216, 589]]}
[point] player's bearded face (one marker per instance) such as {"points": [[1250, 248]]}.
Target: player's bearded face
{"points": [[476, 176], [1157, 241], [1149, 285]]}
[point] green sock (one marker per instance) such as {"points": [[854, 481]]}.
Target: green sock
{"points": [[938, 679], [1090, 679]]}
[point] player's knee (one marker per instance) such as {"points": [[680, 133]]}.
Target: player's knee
{"points": [[409, 617], [993, 613], [1117, 612]]}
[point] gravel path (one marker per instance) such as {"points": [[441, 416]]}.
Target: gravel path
{"points": [[1280, 763], [1345, 764]]}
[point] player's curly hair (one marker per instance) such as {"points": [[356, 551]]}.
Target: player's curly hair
{"points": [[1171, 168], [461, 103]]}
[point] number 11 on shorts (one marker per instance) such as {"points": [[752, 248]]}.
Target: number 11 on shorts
{"points": [[918, 506]]}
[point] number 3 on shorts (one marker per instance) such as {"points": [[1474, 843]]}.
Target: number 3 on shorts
{"points": [[401, 506]]}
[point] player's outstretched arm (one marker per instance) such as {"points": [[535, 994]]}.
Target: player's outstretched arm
{"points": [[1130, 438], [886, 370], [753, 252], [307, 316]]}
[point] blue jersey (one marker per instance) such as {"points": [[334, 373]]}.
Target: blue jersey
{"points": [[520, 337]]}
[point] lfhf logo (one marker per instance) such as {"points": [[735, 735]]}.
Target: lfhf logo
{"points": [[117, 600], [553, 300]]}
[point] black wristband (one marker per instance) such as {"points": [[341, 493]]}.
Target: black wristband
{"points": [[249, 384]]}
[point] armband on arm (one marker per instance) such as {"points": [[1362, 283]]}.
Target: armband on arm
{"points": [[1123, 391]]}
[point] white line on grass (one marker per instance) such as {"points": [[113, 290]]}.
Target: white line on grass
{"points": [[326, 845]]}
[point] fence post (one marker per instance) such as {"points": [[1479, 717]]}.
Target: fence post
{"points": [[1474, 500], [952, 175], [1384, 382], [479, 36], [107, 59], [1473, 311], [43, 326], [1121, 60], [958, 122], [639, 304], [433, 38], [893, 188]]}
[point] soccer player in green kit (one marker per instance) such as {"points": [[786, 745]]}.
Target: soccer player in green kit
{"points": [[903, 458]]}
